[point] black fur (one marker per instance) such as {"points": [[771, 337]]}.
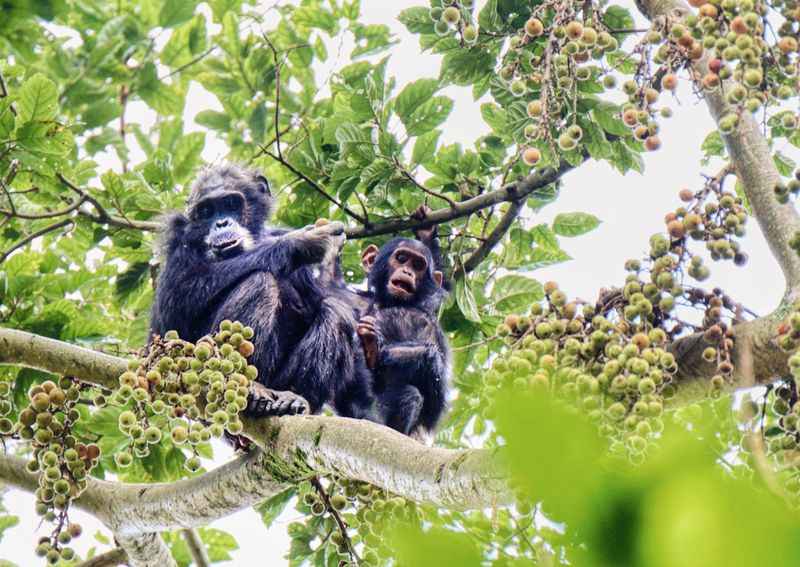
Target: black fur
{"points": [[266, 282], [410, 380]]}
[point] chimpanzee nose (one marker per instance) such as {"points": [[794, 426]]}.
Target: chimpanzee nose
{"points": [[222, 223]]}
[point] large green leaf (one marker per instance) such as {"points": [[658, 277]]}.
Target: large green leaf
{"points": [[466, 301], [429, 115], [38, 100], [425, 147], [514, 293], [413, 95]]}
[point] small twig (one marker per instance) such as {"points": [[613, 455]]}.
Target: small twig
{"points": [[421, 187], [185, 66], [116, 556], [4, 93], [29, 216], [314, 185], [497, 234], [30, 237], [123, 101], [277, 93], [196, 547], [337, 517], [102, 216], [517, 190]]}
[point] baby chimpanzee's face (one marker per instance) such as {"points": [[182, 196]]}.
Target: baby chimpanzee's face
{"points": [[407, 268]]}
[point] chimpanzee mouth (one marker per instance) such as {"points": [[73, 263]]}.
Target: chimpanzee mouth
{"points": [[401, 287], [227, 248]]}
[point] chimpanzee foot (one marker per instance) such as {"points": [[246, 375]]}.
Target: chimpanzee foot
{"points": [[264, 402]]}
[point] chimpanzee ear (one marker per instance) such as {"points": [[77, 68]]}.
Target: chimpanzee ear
{"points": [[368, 257], [263, 184], [438, 277]]}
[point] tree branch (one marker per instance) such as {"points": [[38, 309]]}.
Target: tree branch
{"points": [[147, 550], [518, 190], [33, 236], [752, 159], [196, 548], [494, 237], [297, 445], [116, 556]]}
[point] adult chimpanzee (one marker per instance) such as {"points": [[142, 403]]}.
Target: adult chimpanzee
{"points": [[403, 344], [223, 262]]}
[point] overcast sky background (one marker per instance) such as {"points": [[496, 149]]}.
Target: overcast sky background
{"points": [[631, 208]]}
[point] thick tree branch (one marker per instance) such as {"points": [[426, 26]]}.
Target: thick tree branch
{"points": [[508, 193], [295, 446], [497, 234], [752, 160], [116, 556], [756, 355], [146, 550]]}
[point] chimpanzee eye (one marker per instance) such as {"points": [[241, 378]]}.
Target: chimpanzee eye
{"points": [[420, 265], [205, 211], [231, 203], [402, 257]]}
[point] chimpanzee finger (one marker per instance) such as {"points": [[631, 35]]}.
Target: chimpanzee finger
{"points": [[298, 407]]}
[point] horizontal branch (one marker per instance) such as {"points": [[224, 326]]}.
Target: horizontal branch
{"points": [[756, 355], [356, 449], [508, 193]]}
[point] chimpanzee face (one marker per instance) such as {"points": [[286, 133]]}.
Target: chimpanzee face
{"points": [[227, 210], [223, 213], [407, 269], [401, 272]]}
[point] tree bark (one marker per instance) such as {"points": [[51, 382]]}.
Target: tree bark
{"points": [[146, 550], [293, 447]]}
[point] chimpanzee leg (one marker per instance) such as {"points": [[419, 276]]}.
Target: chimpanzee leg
{"points": [[401, 406], [322, 357], [260, 309], [354, 398]]}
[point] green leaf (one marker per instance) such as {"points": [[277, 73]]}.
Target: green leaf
{"points": [[174, 12], [495, 117], [465, 300], [274, 506], [213, 119], [466, 66], [488, 18], [713, 145], [784, 164], [544, 236], [428, 116], [425, 147], [618, 18], [417, 19], [131, 279], [38, 100], [434, 547], [606, 114], [413, 95], [7, 522], [187, 155], [574, 224], [537, 430], [514, 293]]}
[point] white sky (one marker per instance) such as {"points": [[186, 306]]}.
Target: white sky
{"points": [[631, 207]]}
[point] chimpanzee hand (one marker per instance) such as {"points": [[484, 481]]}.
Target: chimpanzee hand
{"points": [[370, 337], [263, 402], [424, 234], [317, 242]]}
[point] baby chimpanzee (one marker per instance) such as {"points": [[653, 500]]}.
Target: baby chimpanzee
{"points": [[403, 344]]}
